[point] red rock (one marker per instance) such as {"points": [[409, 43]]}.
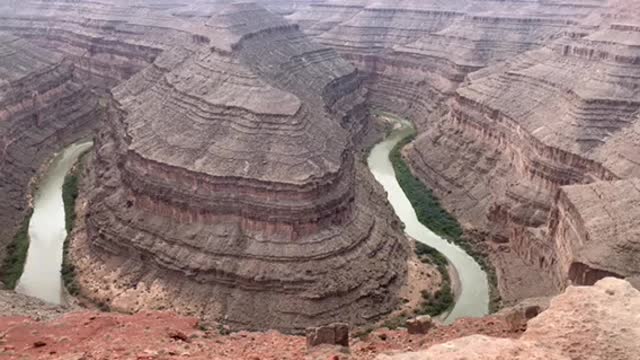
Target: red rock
{"points": [[179, 335]]}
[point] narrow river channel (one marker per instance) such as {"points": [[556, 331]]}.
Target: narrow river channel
{"points": [[473, 300], [41, 277]]}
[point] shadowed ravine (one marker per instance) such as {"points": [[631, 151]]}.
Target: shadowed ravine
{"points": [[41, 277], [474, 297]]}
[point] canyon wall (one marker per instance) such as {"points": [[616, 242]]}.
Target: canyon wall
{"points": [[58, 59], [512, 100], [223, 185], [42, 106]]}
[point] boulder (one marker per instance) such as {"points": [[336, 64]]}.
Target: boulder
{"points": [[334, 334], [420, 325]]}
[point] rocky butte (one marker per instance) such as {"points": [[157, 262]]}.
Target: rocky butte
{"points": [[226, 180]]}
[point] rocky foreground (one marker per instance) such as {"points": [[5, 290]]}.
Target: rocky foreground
{"points": [[585, 322]]}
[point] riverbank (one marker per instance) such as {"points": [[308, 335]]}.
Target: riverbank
{"points": [[473, 289], [70, 192], [16, 252], [13, 264], [41, 277], [435, 217]]}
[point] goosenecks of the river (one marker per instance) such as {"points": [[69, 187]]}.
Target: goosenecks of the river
{"points": [[41, 277], [473, 300]]}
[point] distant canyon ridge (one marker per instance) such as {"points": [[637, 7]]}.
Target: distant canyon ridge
{"points": [[226, 177]]}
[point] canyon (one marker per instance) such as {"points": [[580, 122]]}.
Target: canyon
{"points": [[227, 179], [518, 105]]}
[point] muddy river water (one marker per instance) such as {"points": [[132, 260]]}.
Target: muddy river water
{"points": [[473, 299], [41, 277]]}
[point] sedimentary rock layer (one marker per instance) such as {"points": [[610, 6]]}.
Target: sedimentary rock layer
{"points": [[563, 114], [512, 101], [595, 230], [54, 57], [42, 106], [224, 185]]}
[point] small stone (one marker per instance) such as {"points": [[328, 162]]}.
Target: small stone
{"points": [[334, 334], [39, 343], [179, 336], [420, 325]]}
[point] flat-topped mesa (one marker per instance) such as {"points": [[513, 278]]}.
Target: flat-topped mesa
{"points": [[224, 186]]}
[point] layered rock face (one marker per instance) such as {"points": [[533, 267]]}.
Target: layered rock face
{"points": [[564, 331], [595, 230], [42, 105], [563, 114], [55, 56], [512, 100], [224, 185]]}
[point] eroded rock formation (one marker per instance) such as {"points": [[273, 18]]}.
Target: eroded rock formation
{"points": [[528, 131], [512, 101], [559, 115], [223, 185], [55, 57], [42, 105]]}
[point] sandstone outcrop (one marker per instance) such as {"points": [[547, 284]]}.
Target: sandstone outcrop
{"points": [[594, 229], [289, 222], [333, 334], [584, 323], [419, 325], [518, 158], [525, 110], [224, 185], [512, 101], [54, 58]]}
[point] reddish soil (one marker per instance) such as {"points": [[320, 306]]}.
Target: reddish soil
{"points": [[157, 335]]}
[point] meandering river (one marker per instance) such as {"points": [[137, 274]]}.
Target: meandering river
{"points": [[473, 300], [41, 277]]}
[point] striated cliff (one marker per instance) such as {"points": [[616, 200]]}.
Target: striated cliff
{"points": [[559, 115], [224, 181], [55, 57], [224, 185], [42, 106], [594, 229], [512, 101]]}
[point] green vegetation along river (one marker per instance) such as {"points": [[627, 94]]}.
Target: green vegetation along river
{"points": [[473, 300]]}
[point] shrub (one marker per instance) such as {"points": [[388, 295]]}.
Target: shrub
{"points": [[70, 190], [17, 250], [427, 207]]}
